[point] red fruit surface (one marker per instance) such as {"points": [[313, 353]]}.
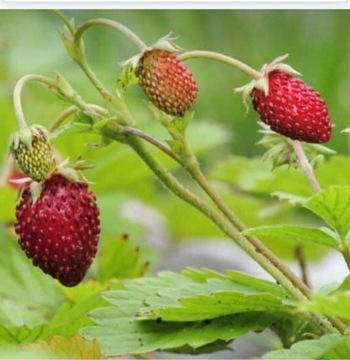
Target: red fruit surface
{"points": [[60, 231], [293, 109], [167, 82]]}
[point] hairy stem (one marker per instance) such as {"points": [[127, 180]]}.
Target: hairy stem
{"points": [[202, 54], [112, 24], [183, 193], [17, 102], [193, 168], [305, 165]]}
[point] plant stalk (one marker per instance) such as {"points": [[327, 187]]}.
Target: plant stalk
{"points": [[203, 54], [112, 24], [183, 193], [305, 165]]}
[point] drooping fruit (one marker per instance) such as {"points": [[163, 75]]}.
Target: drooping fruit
{"points": [[293, 109], [32, 153], [166, 81], [60, 231]]}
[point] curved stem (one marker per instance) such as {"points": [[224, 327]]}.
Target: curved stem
{"points": [[203, 54], [22, 124], [113, 24], [305, 165], [62, 117], [152, 140], [183, 193], [66, 22]]}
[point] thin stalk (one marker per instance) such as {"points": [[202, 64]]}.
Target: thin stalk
{"points": [[305, 165], [194, 170], [152, 140], [112, 24], [65, 114], [183, 193], [203, 54], [17, 102], [118, 104], [66, 22]]}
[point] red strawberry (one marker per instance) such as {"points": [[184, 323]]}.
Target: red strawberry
{"points": [[166, 81], [60, 231], [292, 108]]}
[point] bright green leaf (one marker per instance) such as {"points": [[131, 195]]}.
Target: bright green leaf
{"points": [[335, 305], [333, 206], [299, 234], [328, 345], [204, 296]]}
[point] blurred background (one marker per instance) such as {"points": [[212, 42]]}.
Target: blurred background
{"points": [[171, 234], [223, 134]]}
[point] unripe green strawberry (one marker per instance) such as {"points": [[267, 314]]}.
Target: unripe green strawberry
{"points": [[166, 81], [60, 230], [32, 152], [293, 109]]}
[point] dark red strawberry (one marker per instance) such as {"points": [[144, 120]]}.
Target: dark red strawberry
{"points": [[292, 108], [60, 231], [166, 81]]}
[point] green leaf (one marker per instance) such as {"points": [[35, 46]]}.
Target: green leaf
{"points": [[336, 305], [332, 346], [120, 331], [28, 296], [299, 234], [192, 301], [21, 334], [71, 129], [126, 77], [119, 259], [178, 126], [333, 206]]}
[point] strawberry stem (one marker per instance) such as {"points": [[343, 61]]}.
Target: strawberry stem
{"points": [[112, 24], [65, 114], [216, 217], [203, 54], [56, 87], [305, 165], [152, 140]]}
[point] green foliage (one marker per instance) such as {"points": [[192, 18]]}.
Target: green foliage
{"points": [[176, 312], [332, 205], [196, 311], [328, 346], [299, 234]]}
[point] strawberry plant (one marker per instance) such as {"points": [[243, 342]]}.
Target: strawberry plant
{"points": [[78, 279]]}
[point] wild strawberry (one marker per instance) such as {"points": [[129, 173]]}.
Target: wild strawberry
{"points": [[32, 152], [60, 230], [293, 109], [166, 81]]}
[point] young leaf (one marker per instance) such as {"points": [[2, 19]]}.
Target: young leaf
{"points": [[299, 234], [333, 206], [332, 346]]}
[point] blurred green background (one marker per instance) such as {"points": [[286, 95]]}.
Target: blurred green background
{"points": [[315, 40]]}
